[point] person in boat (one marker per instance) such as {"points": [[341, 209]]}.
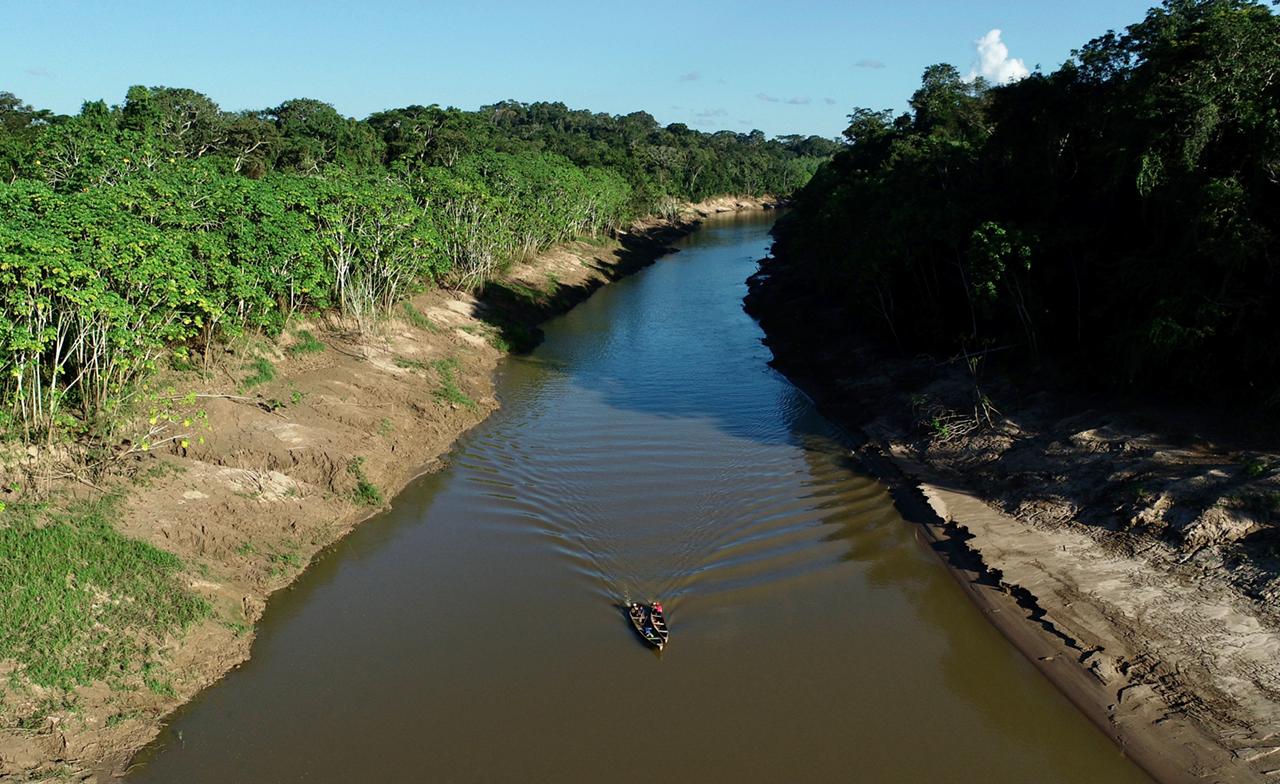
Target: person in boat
{"points": [[656, 619]]}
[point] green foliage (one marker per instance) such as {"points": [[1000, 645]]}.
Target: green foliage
{"points": [[154, 679], [167, 224], [449, 391], [495, 337], [417, 319], [1256, 467], [116, 719], [366, 493], [410, 364], [78, 601], [1122, 213], [505, 335], [291, 560], [61, 774], [263, 372], [522, 291], [307, 343], [19, 125]]}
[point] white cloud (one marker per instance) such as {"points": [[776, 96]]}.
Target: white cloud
{"points": [[799, 100], [994, 63]]}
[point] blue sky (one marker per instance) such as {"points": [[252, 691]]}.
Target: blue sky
{"points": [[782, 67]]}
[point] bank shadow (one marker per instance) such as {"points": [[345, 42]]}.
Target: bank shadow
{"points": [[675, 343], [512, 311]]}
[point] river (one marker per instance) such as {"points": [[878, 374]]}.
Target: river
{"points": [[644, 451]]}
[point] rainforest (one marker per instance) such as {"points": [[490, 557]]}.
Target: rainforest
{"points": [[164, 225], [928, 433], [1120, 214]]}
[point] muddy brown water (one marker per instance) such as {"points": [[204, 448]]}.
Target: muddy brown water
{"points": [[644, 451]]}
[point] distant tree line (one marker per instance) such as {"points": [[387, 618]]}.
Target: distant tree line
{"points": [[1122, 211], [166, 224]]}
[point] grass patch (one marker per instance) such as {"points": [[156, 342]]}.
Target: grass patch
{"points": [[78, 601], [506, 336], [263, 371], [410, 364], [386, 427], [283, 563], [154, 679], [516, 336], [159, 470], [60, 773], [307, 344], [116, 719], [1267, 504], [1271, 502], [1256, 467], [287, 559], [238, 628], [522, 291], [366, 492], [54, 705], [492, 336], [418, 319], [181, 361], [598, 241], [498, 340], [449, 391]]}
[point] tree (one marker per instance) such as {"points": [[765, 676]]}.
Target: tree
{"points": [[1121, 211], [19, 124], [186, 123]]}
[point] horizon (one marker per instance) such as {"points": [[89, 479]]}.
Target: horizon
{"points": [[719, 67]]}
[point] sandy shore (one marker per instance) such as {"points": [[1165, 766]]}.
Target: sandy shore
{"points": [[278, 477], [1128, 551]]}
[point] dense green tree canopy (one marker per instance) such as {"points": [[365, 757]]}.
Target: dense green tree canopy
{"points": [[19, 124], [1123, 210], [167, 223]]}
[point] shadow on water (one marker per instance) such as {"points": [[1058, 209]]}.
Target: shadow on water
{"points": [[508, 307], [705, 359]]}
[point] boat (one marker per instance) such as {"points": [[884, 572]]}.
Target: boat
{"points": [[650, 623], [658, 620]]}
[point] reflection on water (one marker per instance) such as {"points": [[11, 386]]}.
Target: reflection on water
{"points": [[645, 451]]}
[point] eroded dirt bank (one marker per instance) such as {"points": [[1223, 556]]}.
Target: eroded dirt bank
{"points": [[1128, 550], [289, 466]]}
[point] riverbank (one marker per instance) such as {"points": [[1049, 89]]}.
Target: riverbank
{"points": [[302, 441], [1126, 549]]}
